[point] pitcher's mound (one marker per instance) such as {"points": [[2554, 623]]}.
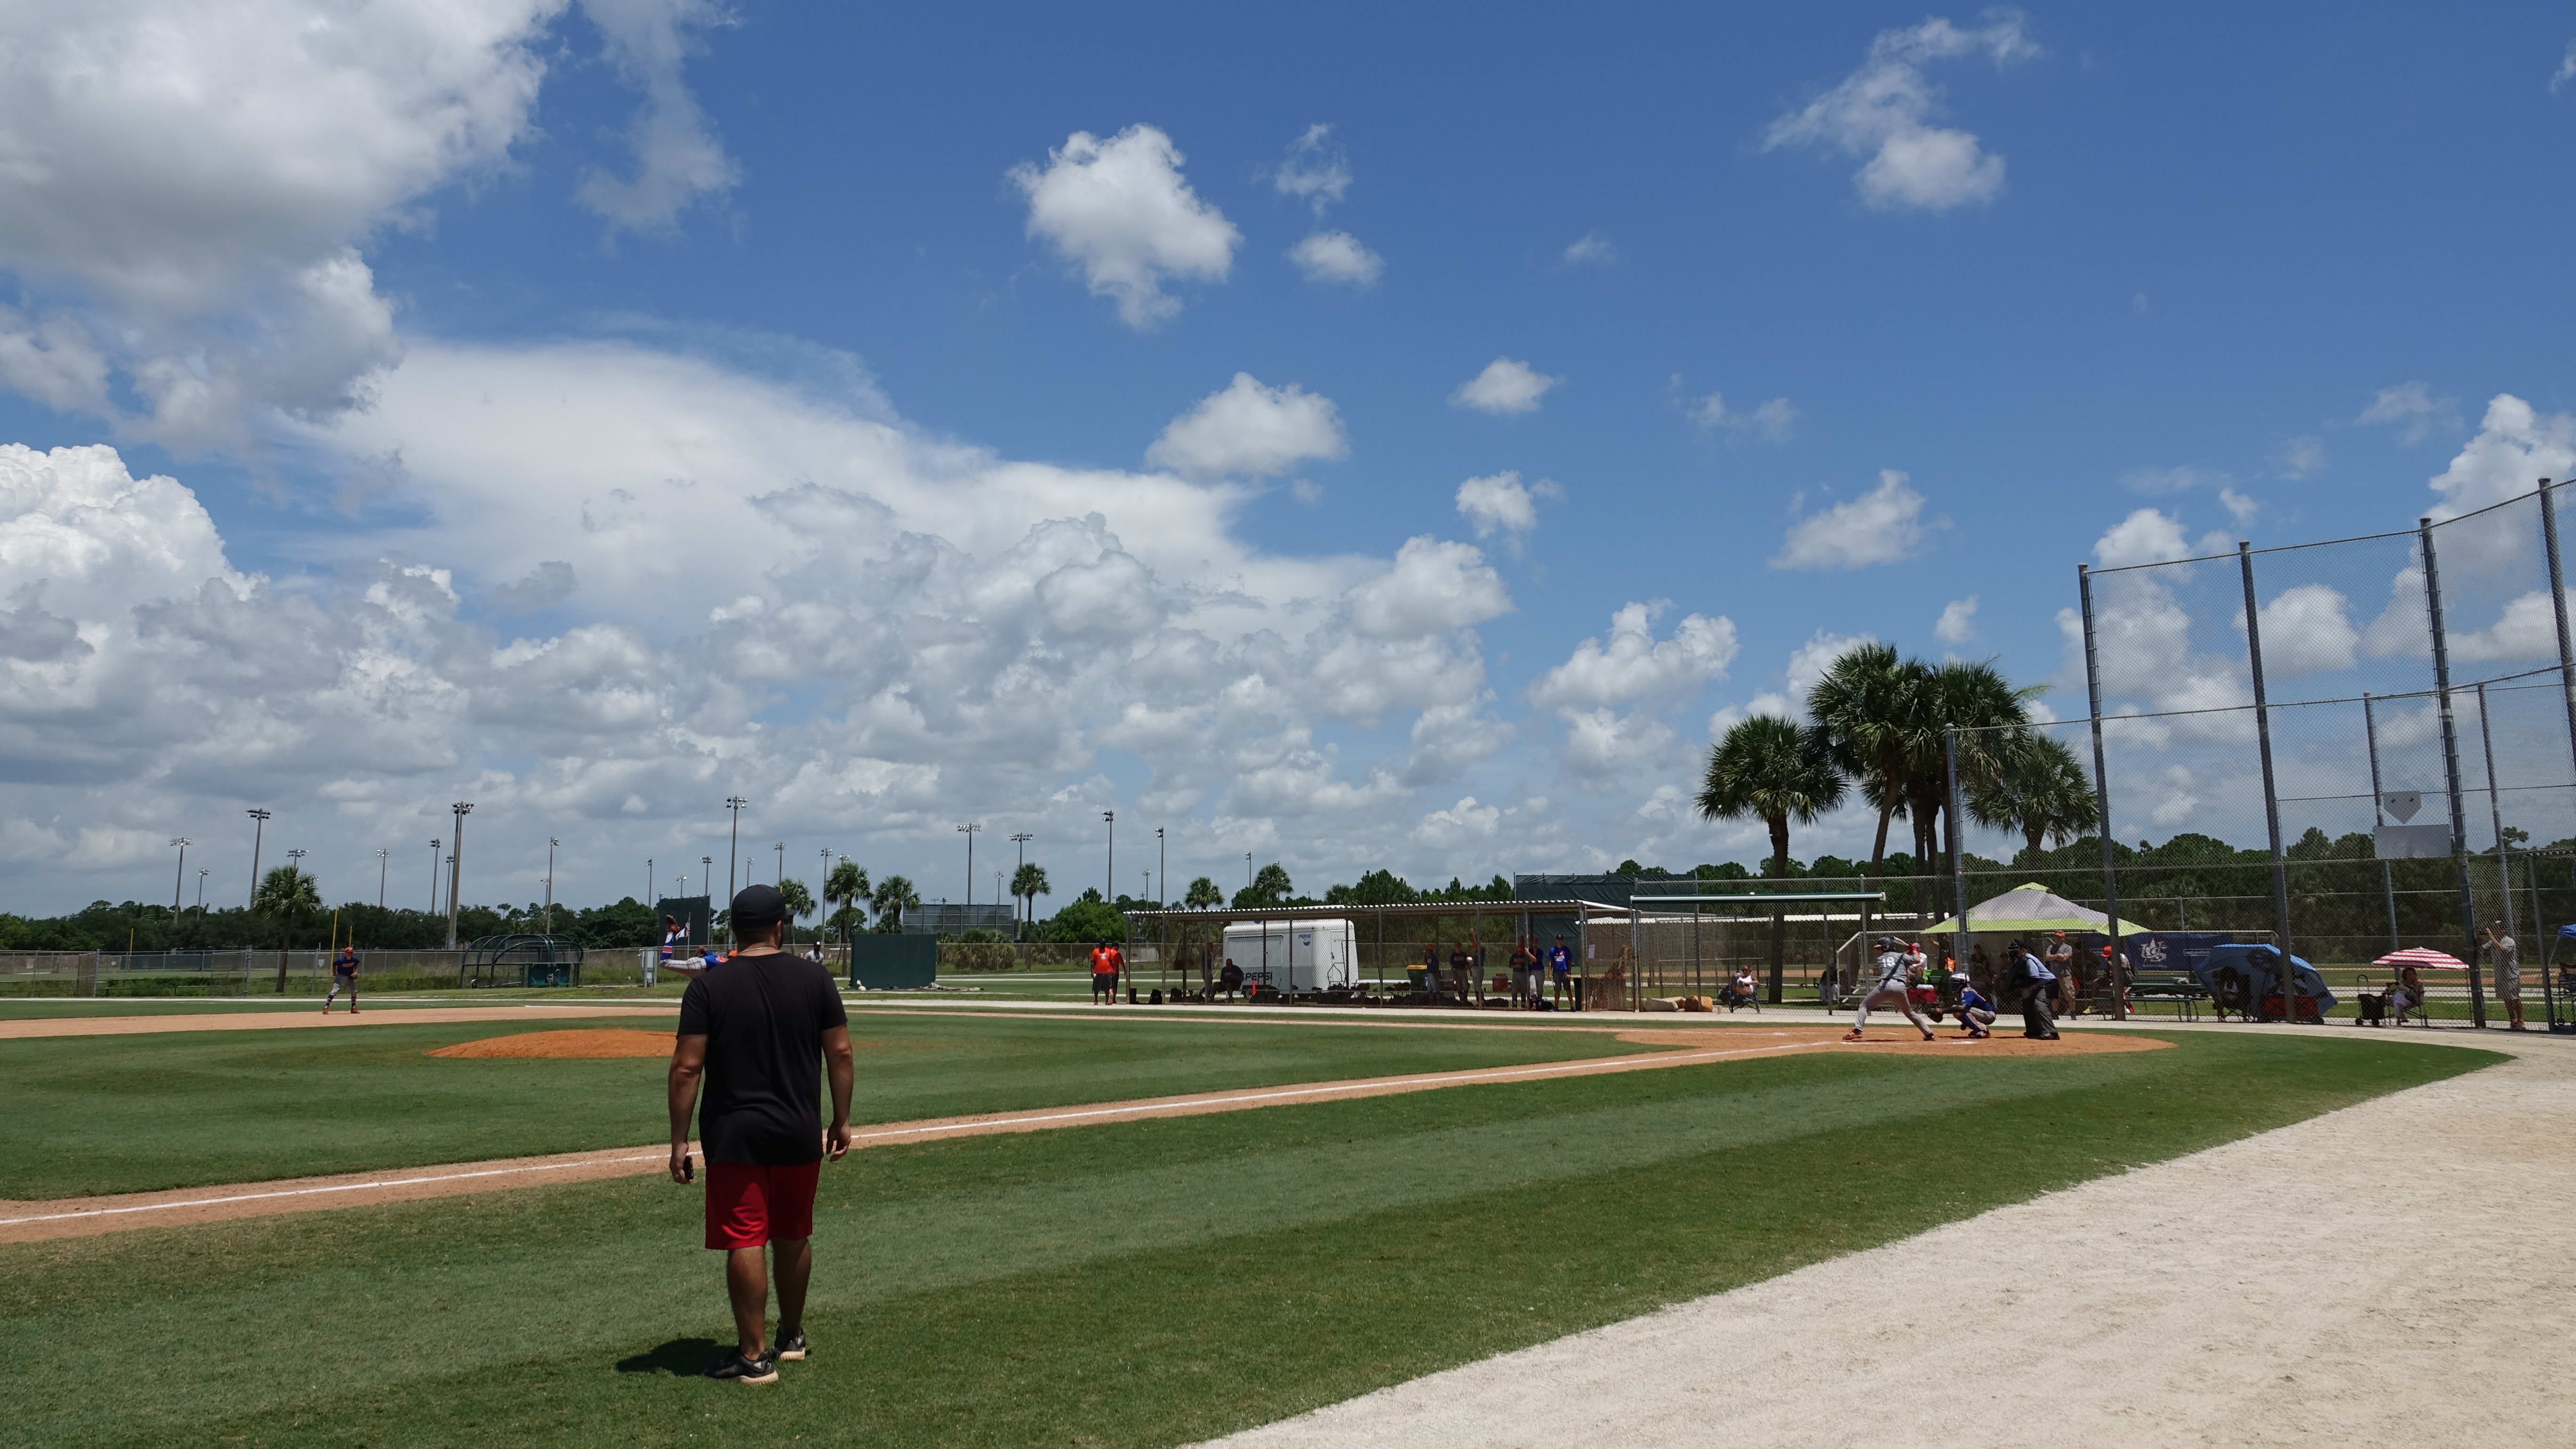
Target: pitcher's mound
{"points": [[589, 1044]]}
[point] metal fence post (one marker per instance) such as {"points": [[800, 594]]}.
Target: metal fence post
{"points": [[2451, 763], [2379, 816], [2102, 798], [2495, 812], [2271, 795], [2558, 606], [1958, 871]]}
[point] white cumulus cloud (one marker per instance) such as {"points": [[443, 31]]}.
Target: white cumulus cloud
{"points": [[1884, 111], [677, 156], [185, 188], [2412, 408], [1772, 420], [1633, 664], [1121, 211], [1501, 504], [1250, 431], [1317, 170], [1504, 386], [1337, 257], [1434, 585], [1460, 823], [1881, 526], [1591, 248], [1958, 622]]}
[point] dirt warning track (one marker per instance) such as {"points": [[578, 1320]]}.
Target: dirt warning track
{"points": [[24, 1222]]}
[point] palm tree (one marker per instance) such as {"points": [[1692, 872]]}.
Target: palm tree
{"points": [[1027, 884], [1863, 704], [1776, 771], [847, 885], [1991, 716], [1203, 894], [800, 902], [2041, 791], [1270, 887], [894, 896], [286, 895]]}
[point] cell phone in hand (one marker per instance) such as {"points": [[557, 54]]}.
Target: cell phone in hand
{"points": [[688, 1167]]}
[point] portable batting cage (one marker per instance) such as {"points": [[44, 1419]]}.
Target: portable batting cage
{"points": [[521, 960]]}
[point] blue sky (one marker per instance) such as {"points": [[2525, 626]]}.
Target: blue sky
{"points": [[2260, 273]]}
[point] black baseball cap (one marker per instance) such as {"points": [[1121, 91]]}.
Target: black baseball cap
{"points": [[758, 905]]}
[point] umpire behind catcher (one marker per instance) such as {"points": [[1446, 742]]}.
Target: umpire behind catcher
{"points": [[759, 1029]]}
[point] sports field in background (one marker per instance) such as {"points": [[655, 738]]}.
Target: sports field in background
{"points": [[1141, 1283], [93, 1115]]}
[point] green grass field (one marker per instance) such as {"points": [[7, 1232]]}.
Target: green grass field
{"points": [[135, 1113], [1134, 1284]]}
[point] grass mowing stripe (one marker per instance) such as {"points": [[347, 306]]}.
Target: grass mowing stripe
{"points": [[1135, 1284], [143, 1113]]}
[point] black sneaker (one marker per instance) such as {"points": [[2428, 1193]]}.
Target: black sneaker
{"points": [[734, 1368], [790, 1348]]}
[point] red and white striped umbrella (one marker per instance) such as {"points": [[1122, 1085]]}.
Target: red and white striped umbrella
{"points": [[2422, 959]]}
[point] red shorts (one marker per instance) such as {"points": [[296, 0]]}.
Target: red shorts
{"points": [[749, 1205]]}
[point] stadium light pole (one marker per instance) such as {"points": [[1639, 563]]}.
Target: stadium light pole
{"points": [[201, 893], [648, 881], [1110, 880], [781, 848], [260, 824], [1162, 866], [177, 885], [551, 843], [384, 859], [968, 830], [733, 803], [456, 868], [433, 876]]}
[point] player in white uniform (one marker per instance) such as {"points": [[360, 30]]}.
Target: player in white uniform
{"points": [[1896, 967], [1894, 971]]}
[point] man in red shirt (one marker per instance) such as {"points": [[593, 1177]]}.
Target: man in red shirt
{"points": [[1104, 972], [760, 1032]]}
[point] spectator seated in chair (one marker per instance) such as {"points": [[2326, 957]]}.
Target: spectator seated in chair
{"points": [[1230, 980], [2229, 991], [1739, 991]]}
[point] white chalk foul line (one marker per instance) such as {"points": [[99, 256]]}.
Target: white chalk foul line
{"points": [[982, 1124]]}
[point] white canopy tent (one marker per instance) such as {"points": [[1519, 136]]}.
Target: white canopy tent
{"points": [[2029, 910]]}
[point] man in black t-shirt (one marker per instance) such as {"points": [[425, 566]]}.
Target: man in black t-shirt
{"points": [[760, 1032]]}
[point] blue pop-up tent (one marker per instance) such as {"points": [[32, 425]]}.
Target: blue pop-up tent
{"points": [[2259, 966]]}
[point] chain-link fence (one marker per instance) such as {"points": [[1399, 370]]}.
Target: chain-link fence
{"points": [[2346, 748]]}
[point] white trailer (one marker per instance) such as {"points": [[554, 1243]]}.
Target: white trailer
{"points": [[1297, 958]]}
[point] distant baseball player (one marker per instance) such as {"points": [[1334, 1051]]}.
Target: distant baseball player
{"points": [[344, 976], [1560, 970], [1104, 973], [1895, 965], [760, 1033]]}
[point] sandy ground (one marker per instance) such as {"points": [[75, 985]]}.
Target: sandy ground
{"points": [[309, 1020], [22, 1222], [2393, 1274], [576, 1044]]}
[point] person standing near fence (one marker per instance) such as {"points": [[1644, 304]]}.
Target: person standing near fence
{"points": [[1104, 973], [344, 976], [2504, 958], [1560, 971], [759, 1033], [2034, 983]]}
